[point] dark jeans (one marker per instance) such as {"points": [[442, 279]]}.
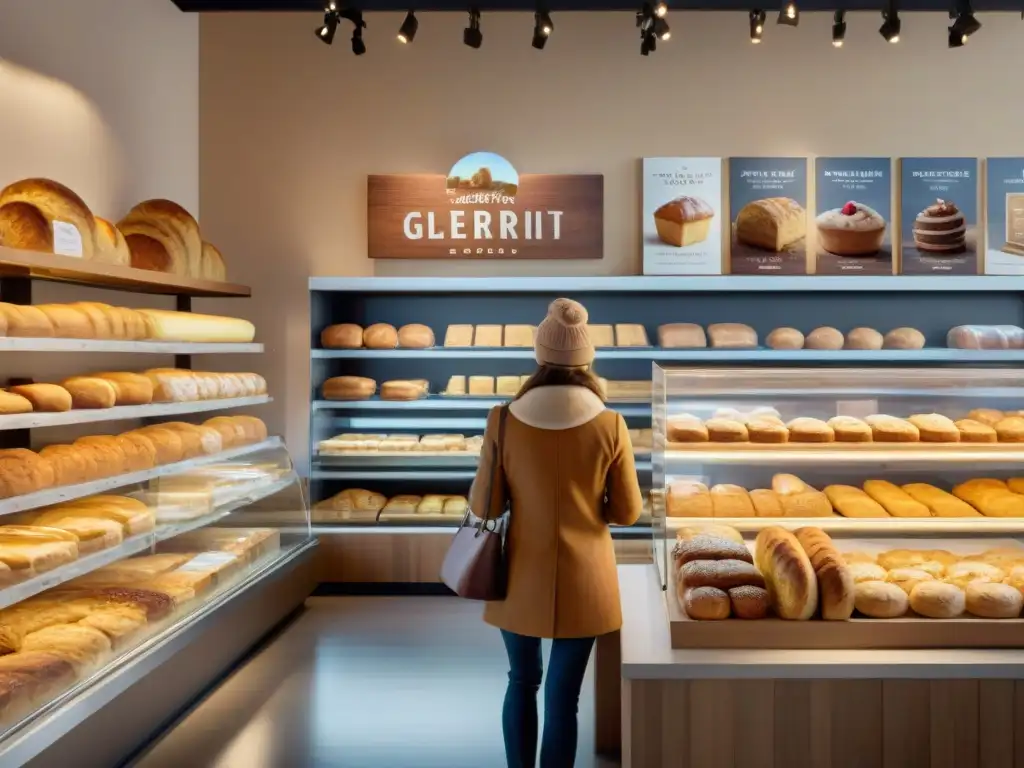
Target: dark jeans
{"points": [[566, 666]]}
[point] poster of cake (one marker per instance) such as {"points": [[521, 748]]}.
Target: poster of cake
{"points": [[768, 215], [1004, 181], [853, 203], [939, 216], [682, 225]]}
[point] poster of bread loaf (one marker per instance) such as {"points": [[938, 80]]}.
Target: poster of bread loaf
{"points": [[1004, 182], [682, 220], [483, 208], [939, 216], [768, 215], [853, 207]]}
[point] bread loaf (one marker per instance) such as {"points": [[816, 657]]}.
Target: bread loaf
{"points": [[40, 214], [685, 428], [940, 503], [789, 576], [1010, 429], [767, 430], [766, 503], [380, 336], [835, 580], [935, 428], [11, 403], [706, 603], [707, 547], [990, 497], [808, 430], [863, 338], [895, 500], [985, 337], [45, 398], [785, 338], [630, 335], [349, 388], [401, 390], [731, 501], [732, 336], [824, 338], [681, 336], [164, 237], [415, 336], [889, 429], [880, 600], [68, 322], [689, 499], [601, 335], [772, 223], [520, 335], [972, 431], [342, 336], [193, 327], [26, 322], [989, 416], [130, 388], [994, 601], [749, 602], [849, 501], [937, 600], [721, 574], [459, 336], [111, 247], [713, 530], [726, 431], [903, 338], [212, 265], [101, 317], [90, 392]]}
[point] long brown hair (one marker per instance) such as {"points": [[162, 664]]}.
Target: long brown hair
{"points": [[560, 376]]}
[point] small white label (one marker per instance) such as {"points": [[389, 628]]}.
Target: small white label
{"points": [[67, 240], [209, 561]]}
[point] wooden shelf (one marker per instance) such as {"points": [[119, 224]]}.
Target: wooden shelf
{"points": [[92, 415], [12, 344], [68, 269]]}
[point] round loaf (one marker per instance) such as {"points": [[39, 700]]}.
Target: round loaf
{"points": [[29, 208], [45, 398], [969, 572], [808, 430], [790, 579], [401, 390], [342, 336], [726, 431], [867, 572], [349, 388], [706, 604], [824, 338], [174, 232], [879, 600], [415, 336], [989, 416], [710, 548], [90, 392], [785, 338], [972, 431], [994, 601], [1010, 429], [129, 388], [908, 578], [749, 602], [903, 338], [889, 429], [863, 338], [849, 429], [380, 336], [68, 322], [935, 428], [14, 403], [721, 574], [937, 600], [767, 430]]}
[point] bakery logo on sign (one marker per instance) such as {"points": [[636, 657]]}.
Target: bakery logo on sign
{"points": [[484, 209]]}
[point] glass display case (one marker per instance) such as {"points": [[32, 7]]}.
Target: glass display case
{"points": [[90, 582]]}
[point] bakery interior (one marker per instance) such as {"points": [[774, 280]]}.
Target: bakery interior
{"points": [[234, 455]]}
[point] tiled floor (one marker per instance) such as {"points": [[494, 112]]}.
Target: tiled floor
{"points": [[359, 682]]}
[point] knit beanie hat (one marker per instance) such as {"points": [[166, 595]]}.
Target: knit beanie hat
{"points": [[562, 337]]}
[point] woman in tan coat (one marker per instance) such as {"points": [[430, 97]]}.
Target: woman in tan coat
{"points": [[567, 471]]}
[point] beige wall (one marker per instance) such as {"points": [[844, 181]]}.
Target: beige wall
{"points": [[291, 128], [104, 97]]}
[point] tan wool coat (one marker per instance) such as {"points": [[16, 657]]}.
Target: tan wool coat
{"points": [[567, 469]]}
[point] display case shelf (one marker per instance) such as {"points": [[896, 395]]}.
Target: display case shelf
{"points": [[93, 415], [68, 269], [421, 460], [12, 344], [868, 526], [441, 475], [68, 492], [444, 403]]}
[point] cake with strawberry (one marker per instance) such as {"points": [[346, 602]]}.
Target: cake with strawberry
{"points": [[853, 230], [940, 228]]}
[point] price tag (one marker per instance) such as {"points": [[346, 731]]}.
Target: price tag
{"points": [[67, 240], [209, 561]]}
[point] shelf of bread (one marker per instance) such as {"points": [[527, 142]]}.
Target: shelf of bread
{"points": [[71, 269], [10, 344], [356, 505], [794, 587], [626, 406]]}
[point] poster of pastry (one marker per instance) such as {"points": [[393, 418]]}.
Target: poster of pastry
{"points": [[939, 215], [1004, 180], [768, 215], [682, 226], [853, 197]]}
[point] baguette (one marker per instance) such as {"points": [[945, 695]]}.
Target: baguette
{"points": [[835, 580], [789, 577]]}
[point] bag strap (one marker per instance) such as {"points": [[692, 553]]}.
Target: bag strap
{"points": [[496, 454]]}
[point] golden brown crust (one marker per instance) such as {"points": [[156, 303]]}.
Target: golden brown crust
{"points": [[766, 503], [706, 603], [28, 209], [790, 579], [685, 209], [721, 574], [974, 431], [935, 428], [213, 266], [380, 336], [415, 336], [896, 501], [889, 429], [90, 392], [709, 548], [809, 430], [111, 247], [11, 402], [835, 579], [342, 336], [44, 398], [749, 602], [349, 388], [850, 501], [171, 226]]}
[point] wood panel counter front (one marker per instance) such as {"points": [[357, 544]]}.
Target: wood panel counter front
{"points": [[801, 709]]}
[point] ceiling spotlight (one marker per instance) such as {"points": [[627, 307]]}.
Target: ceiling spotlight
{"points": [[660, 10], [956, 39], [789, 14], [648, 43], [471, 35], [838, 29], [407, 32], [757, 17], [542, 28], [358, 46], [330, 26], [661, 28], [890, 28], [651, 27], [966, 24]]}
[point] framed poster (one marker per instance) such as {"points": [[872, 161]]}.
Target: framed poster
{"points": [[682, 210], [853, 234], [483, 209], [939, 216], [1004, 252], [768, 215]]}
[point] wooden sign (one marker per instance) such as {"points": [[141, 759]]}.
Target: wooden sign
{"points": [[484, 210]]}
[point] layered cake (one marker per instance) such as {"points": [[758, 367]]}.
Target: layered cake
{"points": [[684, 221], [940, 228], [772, 224], [853, 230]]}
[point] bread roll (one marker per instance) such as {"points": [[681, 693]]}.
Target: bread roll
{"points": [[824, 338], [163, 236], [985, 337], [940, 503], [867, 572], [191, 437], [766, 503], [863, 338], [849, 501], [255, 429], [790, 579], [879, 600], [726, 431], [904, 338], [415, 336], [785, 338], [1010, 429], [342, 336], [129, 388], [380, 336], [706, 603], [402, 390], [994, 601], [11, 403], [749, 602], [968, 572], [709, 548], [26, 322], [90, 392], [937, 600], [732, 336], [990, 497], [848, 429], [68, 322], [721, 574], [689, 499], [808, 430], [45, 398], [23, 471], [835, 579], [32, 210], [908, 578], [767, 430], [712, 530], [349, 388], [212, 265], [935, 428], [896, 501], [889, 429], [681, 336], [731, 501], [988, 416], [193, 327], [685, 428], [972, 431], [787, 485]]}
